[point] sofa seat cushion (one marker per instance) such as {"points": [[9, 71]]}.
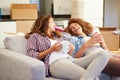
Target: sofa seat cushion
{"points": [[17, 43]]}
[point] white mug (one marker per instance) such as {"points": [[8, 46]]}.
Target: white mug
{"points": [[65, 46]]}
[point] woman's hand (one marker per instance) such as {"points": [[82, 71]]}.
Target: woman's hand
{"points": [[102, 43], [71, 49], [56, 47], [95, 38]]}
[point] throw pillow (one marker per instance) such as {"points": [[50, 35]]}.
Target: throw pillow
{"points": [[17, 43], [2, 37]]}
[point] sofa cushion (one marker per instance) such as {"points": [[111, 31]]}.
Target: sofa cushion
{"points": [[17, 43]]}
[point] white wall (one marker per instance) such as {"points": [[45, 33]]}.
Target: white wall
{"points": [[111, 13], [8, 26]]}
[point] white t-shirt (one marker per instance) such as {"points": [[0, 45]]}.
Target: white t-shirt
{"points": [[63, 53]]}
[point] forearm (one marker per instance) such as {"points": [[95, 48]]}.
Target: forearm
{"points": [[44, 53], [104, 47], [81, 51]]}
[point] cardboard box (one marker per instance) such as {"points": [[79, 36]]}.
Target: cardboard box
{"points": [[23, 11], [24, 25], [111, 39]]}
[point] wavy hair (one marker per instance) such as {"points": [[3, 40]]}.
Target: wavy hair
{"points": [[86, 27], [41, 26]]}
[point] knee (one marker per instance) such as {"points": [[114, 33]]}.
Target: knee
{"points": [[105, 54]]}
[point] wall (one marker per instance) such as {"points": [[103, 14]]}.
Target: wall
{"points": [[111, 13], [8, 26], [48, 5], [42, 7], [111, 10]]}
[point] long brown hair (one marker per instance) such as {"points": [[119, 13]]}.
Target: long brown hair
{"points": [[41, 26], [86, 27]]}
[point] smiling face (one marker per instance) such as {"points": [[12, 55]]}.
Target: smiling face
{"points": [[76, 28]]}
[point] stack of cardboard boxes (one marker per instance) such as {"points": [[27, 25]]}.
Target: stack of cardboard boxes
{"points": [[24, 16]]}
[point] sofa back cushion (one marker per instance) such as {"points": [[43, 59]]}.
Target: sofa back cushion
{"points": [[2, 37], [17, 43]]}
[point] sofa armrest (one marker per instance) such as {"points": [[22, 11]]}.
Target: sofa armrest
{"points": [[17, 66]]}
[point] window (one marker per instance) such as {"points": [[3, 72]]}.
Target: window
{"points": [[36, 2], [90, 10], [93, 12]]}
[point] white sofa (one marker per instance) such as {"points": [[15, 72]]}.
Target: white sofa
{"points": [[15, 65]]}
